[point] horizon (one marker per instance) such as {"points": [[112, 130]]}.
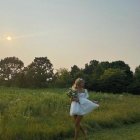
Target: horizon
{"points": [[71, 32]]}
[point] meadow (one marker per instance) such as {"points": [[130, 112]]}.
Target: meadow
{"points": [[43, 114]]}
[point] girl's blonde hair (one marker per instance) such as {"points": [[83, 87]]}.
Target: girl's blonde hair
{"points": [[77, 82]]}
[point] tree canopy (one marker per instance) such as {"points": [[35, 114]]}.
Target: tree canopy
{"points": [[103, 76]]}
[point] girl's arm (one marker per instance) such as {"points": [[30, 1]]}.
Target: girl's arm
{"points": [[74, 99], [86, 93]]}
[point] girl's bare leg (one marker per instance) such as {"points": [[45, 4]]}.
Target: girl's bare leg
{"points": [[83, 131], [78, 127], [81, 128]]}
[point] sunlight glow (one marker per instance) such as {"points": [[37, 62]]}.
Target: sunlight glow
{"points": [[9, 38]]}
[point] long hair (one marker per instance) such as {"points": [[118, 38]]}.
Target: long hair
{"points": [[77, 82]]}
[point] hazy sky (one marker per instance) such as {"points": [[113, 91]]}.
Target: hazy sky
{"points": [[71, 32]]}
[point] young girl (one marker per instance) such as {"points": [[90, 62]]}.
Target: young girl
{"points": [[80, 106]]}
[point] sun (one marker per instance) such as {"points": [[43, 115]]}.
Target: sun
{"points": [[9, 38]]}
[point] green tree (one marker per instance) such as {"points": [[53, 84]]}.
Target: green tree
{"points": [[89, 68], [125, 67], [88, 73], [9, 68], [76, 72], [63, 78], [113, 80], [39, 73], [137, 74], [134, 87]]}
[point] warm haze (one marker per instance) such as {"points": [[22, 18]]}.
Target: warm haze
{"points": [[71, 32]]}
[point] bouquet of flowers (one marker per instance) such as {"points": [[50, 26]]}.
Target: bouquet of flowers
{"points": [[73, 94]]}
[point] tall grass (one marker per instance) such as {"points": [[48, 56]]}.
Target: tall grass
{"points": [[126, 132], [40, 114]]}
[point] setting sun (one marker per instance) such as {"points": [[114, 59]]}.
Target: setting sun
{"points": [[9, 38]]}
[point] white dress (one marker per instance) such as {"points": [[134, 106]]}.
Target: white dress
{"points": [[84, 105]]}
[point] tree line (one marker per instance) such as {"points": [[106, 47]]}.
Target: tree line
{"points": [[103, 76]]}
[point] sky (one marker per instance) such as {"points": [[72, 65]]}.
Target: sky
{"points": [[71, 32]]}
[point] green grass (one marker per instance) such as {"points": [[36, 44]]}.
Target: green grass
{"points": [[43, 114], [129, 132], [126, 132]]}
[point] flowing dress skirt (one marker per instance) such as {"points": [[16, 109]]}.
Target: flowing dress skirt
{"points": [[85, 106]]}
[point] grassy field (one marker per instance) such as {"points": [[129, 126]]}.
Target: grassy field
{"points": [[126, 132], [43, 114]]}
